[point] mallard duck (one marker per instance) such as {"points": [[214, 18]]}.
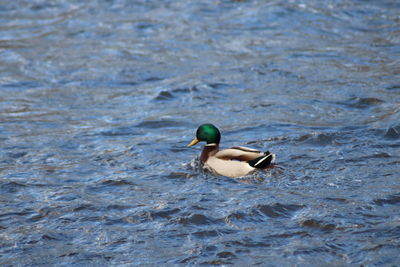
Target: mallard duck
{"points": [[233, 162]]}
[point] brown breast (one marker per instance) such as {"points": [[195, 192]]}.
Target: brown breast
{"points": [[208, 151]]}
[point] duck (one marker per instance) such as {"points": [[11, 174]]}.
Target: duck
{"points": [[234, 162]]}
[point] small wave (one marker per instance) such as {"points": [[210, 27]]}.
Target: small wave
{"points": [[11, 187], [165, 213], [120, 131], [318, 224], [262, 212], [390, 200], [362, 102], [205, 234], [156, 124], [279, 210], [164, 95], [119, 182], [392, 133], [196, 219]]}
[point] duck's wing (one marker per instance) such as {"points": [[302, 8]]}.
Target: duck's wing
{"points": [[263, 161], [239, 153]]}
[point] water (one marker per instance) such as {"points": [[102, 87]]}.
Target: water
{"points": [[100, 98]]}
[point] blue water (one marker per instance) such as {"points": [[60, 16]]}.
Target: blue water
{"points": [[98, 100]]}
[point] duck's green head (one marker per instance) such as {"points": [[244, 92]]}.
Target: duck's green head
{"points": [[207, 133]]}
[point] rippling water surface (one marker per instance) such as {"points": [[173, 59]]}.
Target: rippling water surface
{"points": [[98, 100]]}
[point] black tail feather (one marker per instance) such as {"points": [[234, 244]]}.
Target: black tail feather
{"points": [[262, 162]]}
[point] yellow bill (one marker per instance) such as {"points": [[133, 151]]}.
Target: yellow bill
{"points": [[195, 141]]}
